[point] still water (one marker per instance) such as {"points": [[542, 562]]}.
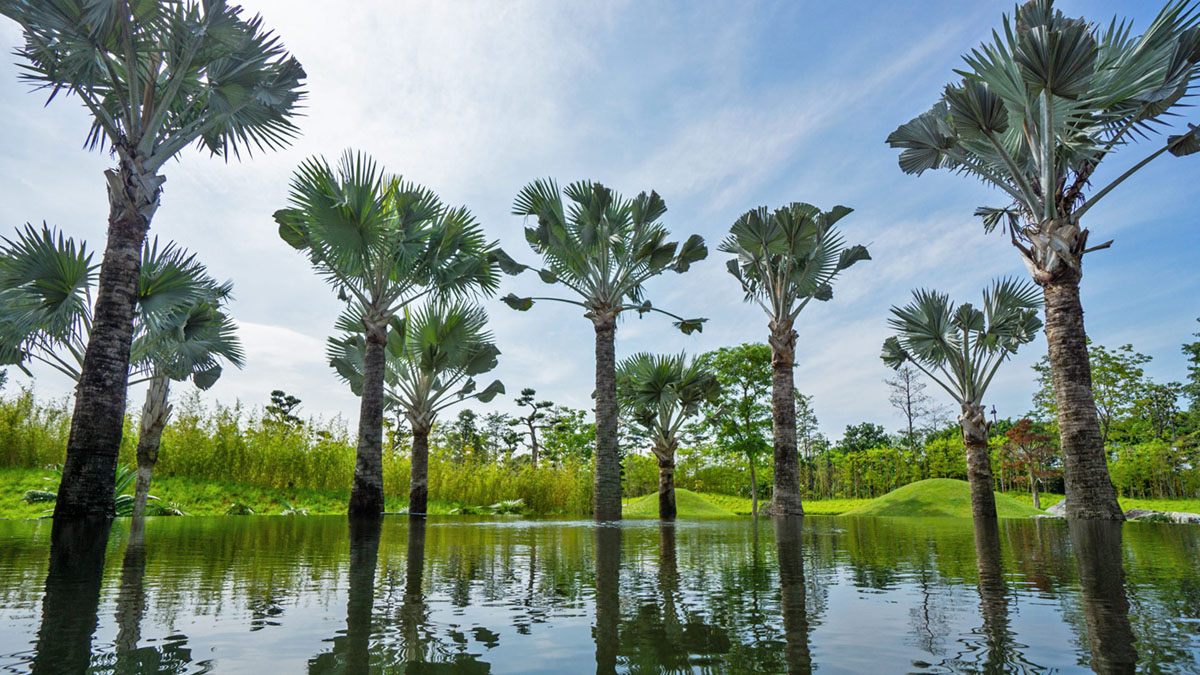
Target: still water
{"points": [[275, 595]]}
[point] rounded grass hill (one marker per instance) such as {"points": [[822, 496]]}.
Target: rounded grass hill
{"points": [[688, 504], [937, 497]]}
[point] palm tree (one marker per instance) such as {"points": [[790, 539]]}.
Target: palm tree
{"points": [[659, 394], [784, 259], [1036, 112], [432, 358], [156, 76], [381, 243], [181, 330], [961, 348], [603, 248]]}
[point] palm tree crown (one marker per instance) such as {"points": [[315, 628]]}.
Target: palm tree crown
{"points": [[1041, 106], [159, 75], [661, 392], [602, 247], [433, 357], [962, 347]]}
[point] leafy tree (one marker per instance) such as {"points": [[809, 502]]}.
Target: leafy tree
{"points": [[432, 358], [281, 408], [1118, 382], [906, 393], [783, 260], [568, 435], [961, 348], [156, 77], [1035, 114], [533, 420], [660, 394], [499, 436], [469, 436], [603, 248], [1191, 350], [1035, 451], [182, 330], [381, 243], [864, 436], [740, 415]]}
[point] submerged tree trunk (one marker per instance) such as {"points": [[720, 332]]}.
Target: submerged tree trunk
{"points": [[155, 412], [98, 421], [666, 482], [608, 600], [418, 484], [979, 464], [366, 496], [70, 605], [786, 498], [1098, 554], [412, 609], [1090, 492], [364, 554], [607, 500], [789, 543], [131, 598], [993, 598]]}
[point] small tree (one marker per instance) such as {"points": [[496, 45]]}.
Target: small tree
{"points": [[1035, 450], [533, 420], [281, 408], [740, 415], [961, 348], [906, 393]]}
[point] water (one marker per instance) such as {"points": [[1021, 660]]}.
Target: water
{"points": [[274, 595]]}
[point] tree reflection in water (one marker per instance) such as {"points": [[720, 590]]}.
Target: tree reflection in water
{"points": [[789, 542], [1097, 548], [72, 600], [608, 602]]}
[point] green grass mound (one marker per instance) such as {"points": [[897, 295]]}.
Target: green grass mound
{"points": [[937, 497], [688, 504]]}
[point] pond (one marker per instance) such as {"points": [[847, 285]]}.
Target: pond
{"points": [[324, 595]]}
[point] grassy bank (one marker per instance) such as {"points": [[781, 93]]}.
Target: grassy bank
{"points": [[937, 497]]}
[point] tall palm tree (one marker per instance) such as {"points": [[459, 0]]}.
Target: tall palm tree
{"points": [[156, 76], [659, 394], [181, 330], [1036, 112], [961, 348], [603, 248], [381, 243], [783, 260], [432, 358]]}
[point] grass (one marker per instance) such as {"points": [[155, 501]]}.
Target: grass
{"points": [[823, 507], [688, 504], [937, 497], [1185, 505]]}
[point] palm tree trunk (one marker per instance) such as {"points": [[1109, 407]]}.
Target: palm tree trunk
{"points": [[666, 483], [98, 421], [366, 497], [1090, 492], [608, 598], [979, 464], [786, 499], [753, 488], [607, 499], [155, 412], [418, 485]]}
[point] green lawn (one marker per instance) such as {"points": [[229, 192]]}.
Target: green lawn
{"points": [[1185, 505], [944, 497], [821, 507], [688, 504]]}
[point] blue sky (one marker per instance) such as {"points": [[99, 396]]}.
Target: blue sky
{"points": [[720, 107]]}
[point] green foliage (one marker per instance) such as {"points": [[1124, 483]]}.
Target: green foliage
{"points": [[281, 408], [1191, 350], [739, 419], [660, 393], [863, 436], [937, 497]]}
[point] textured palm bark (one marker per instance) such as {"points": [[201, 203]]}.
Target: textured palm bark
{"points": [[364, 554], [1097, 548], [786, 499], [993, 598], [418, 485], [789, 544], [98, 420], [1090, 492], [69, 607], [366, 496], [607, 494], [155, 413], [979, 462], [131, 597], [608, 597], [666, 483]]}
